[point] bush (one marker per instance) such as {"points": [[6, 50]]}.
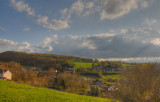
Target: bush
{"points": [[70, 83], [139, 84]]}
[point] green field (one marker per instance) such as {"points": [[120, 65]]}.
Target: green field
{"points": [[112, 76], [14, 92], [81, 64], [126, 65]]}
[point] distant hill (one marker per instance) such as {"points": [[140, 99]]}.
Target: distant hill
{"points": [[42, 60], [14, 92]]}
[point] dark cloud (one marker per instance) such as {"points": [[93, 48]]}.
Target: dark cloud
{"points": [[132, 43]]}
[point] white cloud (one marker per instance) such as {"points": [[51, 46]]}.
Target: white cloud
{"points": [[127, 43], [123, 31], [43, 48], [133, 59], [21, 7], [6, 45], [76, 8], [103, 35], [47, 44], [107, 9], [156, 41], [80, 8], [55, 36], [144, 4], [47, 40], [22, 46], [53, 24], [26, 29], [149, 22], [88, 44]]}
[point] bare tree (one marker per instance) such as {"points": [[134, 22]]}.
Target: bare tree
{"points": [[141, 84]]}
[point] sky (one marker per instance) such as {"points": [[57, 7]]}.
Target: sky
{"points": [[126, 30]]}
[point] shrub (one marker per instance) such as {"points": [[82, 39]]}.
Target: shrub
{"points": [[139, 84]]}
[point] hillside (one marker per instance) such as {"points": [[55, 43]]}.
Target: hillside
{"points": [[44, 61], [14, 92]]}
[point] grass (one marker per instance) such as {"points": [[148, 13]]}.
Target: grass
{"points": [[126, 65], [112, 76], [14, 92], [81, 64]]}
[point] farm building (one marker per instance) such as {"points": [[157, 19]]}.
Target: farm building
{"points": [[5, 74]]}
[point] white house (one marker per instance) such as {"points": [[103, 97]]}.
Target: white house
{"points": [[5, 74], [112, 88]]}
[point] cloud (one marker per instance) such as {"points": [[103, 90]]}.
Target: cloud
{"points": [[80, 8], [88, 44], [26, 29], [133, 59], [43, 48], [47, 44], [53, 24], [149, 22], [47, 40], [22, 7], [6, 43], [107, 9], [128, 43], [76, 8], [144, 4], [15, 46], [117, 8], [156, 41]]}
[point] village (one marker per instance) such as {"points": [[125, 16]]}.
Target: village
{"points": [[64, 73], [93, 76], [76, 75]]}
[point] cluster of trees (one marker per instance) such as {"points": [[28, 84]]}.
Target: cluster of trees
{"points": [[21, 75], [92, 74], [110, 64], [47, 78], [44, 61], [70, 83], [141, 84]]}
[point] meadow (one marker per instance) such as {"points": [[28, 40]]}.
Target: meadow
{"points": [[127, 65], [111, 78], [14, 92], [81, 64], [111, 75]]}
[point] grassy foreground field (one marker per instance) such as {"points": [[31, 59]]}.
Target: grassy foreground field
{"points": [[14, 92]]}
